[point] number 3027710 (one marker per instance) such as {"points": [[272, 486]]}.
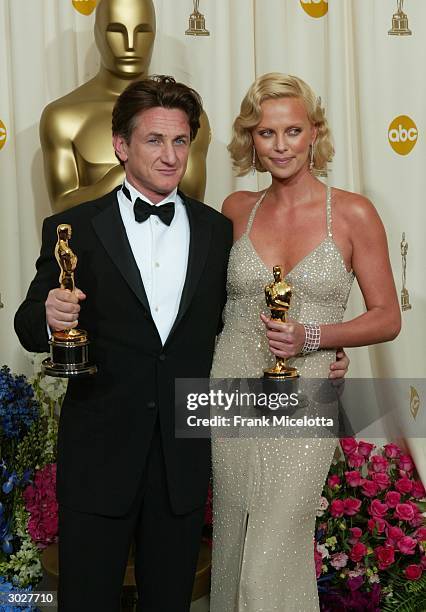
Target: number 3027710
{"points": [[28, 598]]}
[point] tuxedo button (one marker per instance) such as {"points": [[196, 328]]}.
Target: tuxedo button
{"points": [[162, 357], [151, 405]]}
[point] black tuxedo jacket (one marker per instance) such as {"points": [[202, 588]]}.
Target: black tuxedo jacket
{"points": [[107, 420]]}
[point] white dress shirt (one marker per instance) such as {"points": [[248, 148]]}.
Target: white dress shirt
{"points": [[161, 254]]}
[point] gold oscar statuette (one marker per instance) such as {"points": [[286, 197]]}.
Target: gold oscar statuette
{"points": [[69, 348], [278, 296], [197, 23], [405, 298], [400, 22]]}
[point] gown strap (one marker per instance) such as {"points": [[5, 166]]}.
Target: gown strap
{"points": [[329, 224], [253, 212]]}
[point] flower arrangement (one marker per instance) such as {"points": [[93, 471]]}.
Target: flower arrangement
{"points": [[370, 540], [28, 508]]}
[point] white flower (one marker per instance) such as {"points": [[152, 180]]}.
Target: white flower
{"points": [[322, 507], [374, 578], [322, 548]]}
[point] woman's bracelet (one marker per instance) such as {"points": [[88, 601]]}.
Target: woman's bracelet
{"points": [[312, 338]]}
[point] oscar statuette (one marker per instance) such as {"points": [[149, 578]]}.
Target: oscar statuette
{"points": [[69, 348], [197, 23], [400, 22], [278, 295]]}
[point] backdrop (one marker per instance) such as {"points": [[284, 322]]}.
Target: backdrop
{"points": [[368, 81]]}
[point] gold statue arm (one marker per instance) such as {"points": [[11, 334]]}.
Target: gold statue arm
{"points": [[60, 165], [193, 183]]}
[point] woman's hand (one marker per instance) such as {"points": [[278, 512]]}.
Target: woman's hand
{"points": [[285, 339]]}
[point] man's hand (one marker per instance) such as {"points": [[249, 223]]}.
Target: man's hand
{"points": [[339, 368], [62, 308]]}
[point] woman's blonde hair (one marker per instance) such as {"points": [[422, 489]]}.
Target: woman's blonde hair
{"points": [[270, 86]]}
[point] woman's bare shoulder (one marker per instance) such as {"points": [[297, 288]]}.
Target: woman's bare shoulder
{"points": [[239, 204], [353, 207]]}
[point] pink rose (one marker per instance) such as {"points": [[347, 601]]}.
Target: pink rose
{"points": [[392, 450], [379, 463], [420, 534], [385, 556], [377, 509], [394, 534], [351, 506], [356, 532], [349, 445], [405, 463], [358, 552], [382, 480], [355, 460], [339, 560], [378, 524], [413, 572], [333, 480], [407, 545], [392, 498], [365, 448], [337, 508], [404, 485], [404, 512], [418, 490], [318, 561], [369, 488], [353, 478]]}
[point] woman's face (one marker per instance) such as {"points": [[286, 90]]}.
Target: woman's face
{"points": [[282, 137]]}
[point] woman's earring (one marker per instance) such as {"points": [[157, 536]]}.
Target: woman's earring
{"points": [[253, 163], [311, 163]]}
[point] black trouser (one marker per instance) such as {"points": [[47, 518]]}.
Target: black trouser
{"points": [[93, 550]]}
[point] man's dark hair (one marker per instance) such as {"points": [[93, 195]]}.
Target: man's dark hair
{"points": [[157, 90]]}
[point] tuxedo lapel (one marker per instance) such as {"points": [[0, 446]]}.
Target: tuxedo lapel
{"points": [[199, 243], [110, 230]]}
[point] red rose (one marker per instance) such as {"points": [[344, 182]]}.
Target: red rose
{"points": [[378, 524], [404, 485], [356, 532], [421, 534], [413, 572], [355, 460], [405, 463], [358, 552], [407, 545], [353, 478], [392, 498], [379, 463], [333, 480], [377, 509], [337, 508], [349, 445], [351, 506], [385, 556], [392, 450], [382, 480], [369, 488], [365, 448], [418, 490], [404, 512], [394, 534]]}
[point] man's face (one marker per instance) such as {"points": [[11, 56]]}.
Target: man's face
{"points": [[155, 158], [124, 33]]}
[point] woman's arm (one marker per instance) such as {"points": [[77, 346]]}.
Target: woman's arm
{"points": [[370, 262]]}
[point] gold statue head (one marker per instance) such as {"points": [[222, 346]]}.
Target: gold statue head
{"points": [[64, 231], [124, 34]]}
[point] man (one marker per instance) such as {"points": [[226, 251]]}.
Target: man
{"points": [[151, 275], [151, 294]]}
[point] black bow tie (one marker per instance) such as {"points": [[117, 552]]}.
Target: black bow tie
{"points": [[143, 210]]}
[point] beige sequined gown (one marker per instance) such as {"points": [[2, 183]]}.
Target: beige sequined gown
{"points": [[266, 491]]}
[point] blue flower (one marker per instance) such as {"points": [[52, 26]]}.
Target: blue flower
{"points": [[18, 408]]}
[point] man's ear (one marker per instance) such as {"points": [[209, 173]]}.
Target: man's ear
{"points": [[120, 147]]}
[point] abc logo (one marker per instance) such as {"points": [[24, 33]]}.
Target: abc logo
{"points": [[315, 8], [3, 134], [402, 134], [85, 7]]}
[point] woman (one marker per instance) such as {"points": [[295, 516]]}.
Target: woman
{"points": [[267, 491]]}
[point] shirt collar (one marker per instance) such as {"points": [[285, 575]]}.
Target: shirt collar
{"points": [[134, 194]]}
